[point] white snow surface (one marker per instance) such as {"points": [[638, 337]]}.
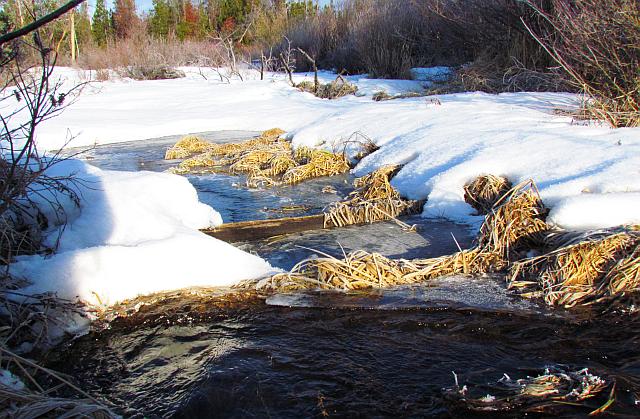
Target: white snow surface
{"points": [[134, 233], [9, 380], [136, 236]]}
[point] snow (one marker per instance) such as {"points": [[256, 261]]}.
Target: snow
{"points": [[9, 380], [135, 233]]}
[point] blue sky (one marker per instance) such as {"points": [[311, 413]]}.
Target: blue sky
{"points": [[144, 5]]}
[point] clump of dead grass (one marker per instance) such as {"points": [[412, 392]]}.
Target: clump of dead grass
{"points": [[483, 192], [186, 147], [591, 270], [319, 163], [336, 89], [383, 96], [267, 160], [373, 200], [553, 388], [515, 223]]}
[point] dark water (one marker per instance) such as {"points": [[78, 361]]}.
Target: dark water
{"points": [[381, 353], [363, 355]]}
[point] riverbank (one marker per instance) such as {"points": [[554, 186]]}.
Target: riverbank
{"points": [[585, 171]]}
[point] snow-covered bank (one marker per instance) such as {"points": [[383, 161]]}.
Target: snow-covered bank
{"points": [[135, 233], [443, 146]]}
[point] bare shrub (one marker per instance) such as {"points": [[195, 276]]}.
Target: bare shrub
{"points": [[383, 38], [597, 43], [142, 54], [30, 198], [27, 191], [387, 38]]}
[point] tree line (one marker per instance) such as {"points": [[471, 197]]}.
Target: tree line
{"points": [[167, 19]]}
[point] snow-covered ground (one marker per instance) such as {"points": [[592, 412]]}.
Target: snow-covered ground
{"points": [[587, 173], [135, 233]]}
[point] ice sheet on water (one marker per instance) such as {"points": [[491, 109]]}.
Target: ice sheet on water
{"points": [[485, 293]]}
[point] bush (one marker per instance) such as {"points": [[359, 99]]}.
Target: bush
{"points": [[27, 191], [151, 73], [386, 38], [597, 44], [143, 51]]}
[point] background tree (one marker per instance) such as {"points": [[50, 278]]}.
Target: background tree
{"points": [[161, 19], [101, 28], [125, 18], [83, 25]]}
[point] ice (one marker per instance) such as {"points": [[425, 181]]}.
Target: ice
{"points": [[486, 293]]}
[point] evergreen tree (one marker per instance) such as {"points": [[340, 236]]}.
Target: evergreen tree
{"points": [[101, 26], [83, 25], [160, 22]]}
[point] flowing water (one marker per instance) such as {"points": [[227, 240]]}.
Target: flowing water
{"points": [[396, 352]]}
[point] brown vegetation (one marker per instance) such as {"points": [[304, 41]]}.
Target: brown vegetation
{"points": [[373, 200], [267, 160], [573, 269], [337, 88], [597, 44]]}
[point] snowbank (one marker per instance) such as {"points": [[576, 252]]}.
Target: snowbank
{"points": [[135, 233], [583, 169]]}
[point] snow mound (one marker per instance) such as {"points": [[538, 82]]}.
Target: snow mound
{"points": [[135, 233]]}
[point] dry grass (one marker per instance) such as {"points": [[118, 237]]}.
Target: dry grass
{"points": [[383, 96], [363, 270], [553, 388], [186, 147], [319, 163], [33, 398], [515, 223], [484, 191], [336, 89], [466, 262], [273, 133], [517, 216], [373, 200], [592, 270], [247, 156], [28, 322], [267, 160]]}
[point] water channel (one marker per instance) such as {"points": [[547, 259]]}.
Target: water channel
{"points": [[397, 352]]}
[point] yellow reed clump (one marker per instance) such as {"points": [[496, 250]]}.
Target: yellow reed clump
{"points": [[187, 146], [484, 191], [590, 270]]}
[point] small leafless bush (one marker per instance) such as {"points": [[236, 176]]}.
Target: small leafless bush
{"points": [[30, 196], [145, 54], [597, 43], [27, 191], [151, 73]]}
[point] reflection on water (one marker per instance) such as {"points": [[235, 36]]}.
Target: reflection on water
{"points": [[363, 354], [356, 355]]}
